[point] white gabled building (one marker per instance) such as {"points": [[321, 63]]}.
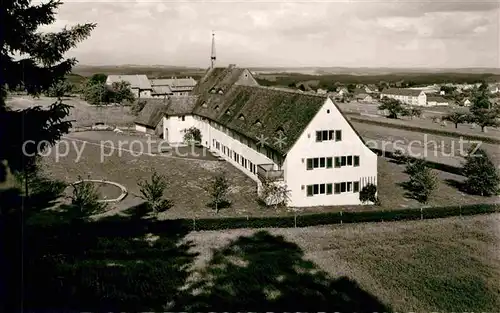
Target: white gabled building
{"points": [[407, 96], [295, 139]]}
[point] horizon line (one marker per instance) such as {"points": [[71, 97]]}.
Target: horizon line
{"points": [[292, 67]]}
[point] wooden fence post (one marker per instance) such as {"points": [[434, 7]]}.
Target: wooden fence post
{"points": [[194, 223], [340, 217], [295, 219], [421, 213]]}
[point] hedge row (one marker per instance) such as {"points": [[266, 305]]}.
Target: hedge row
{"points": [[433, 131], [117, 228], [344, 217], [438, 166]]}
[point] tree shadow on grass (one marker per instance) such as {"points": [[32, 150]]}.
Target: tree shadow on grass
{"points": [[72, 264], [129, 263], [265, 272], [410, 191], [223, 205], [459, 185]]}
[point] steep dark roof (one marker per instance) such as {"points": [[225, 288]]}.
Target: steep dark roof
{"points": [[252, 111], [436, 98], [155, 109], [402, 92], [151, 114], [218, 78], [275, 109]]}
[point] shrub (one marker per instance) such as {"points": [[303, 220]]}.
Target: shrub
{"points": [[423, 181], [400, 157], [274, 194], [192, 135], [152, 192], [85, 198], [482, 175], [218, 191], [369, 194]]}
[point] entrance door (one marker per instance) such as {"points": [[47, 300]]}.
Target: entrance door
{"points": [[165, 134]]}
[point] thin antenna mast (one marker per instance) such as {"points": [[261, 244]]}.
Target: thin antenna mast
{"points": [[212, 56]]}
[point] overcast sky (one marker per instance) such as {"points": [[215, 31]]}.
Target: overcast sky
{"points": [[404, 33]]}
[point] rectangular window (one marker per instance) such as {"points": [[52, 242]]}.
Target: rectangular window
{"points": [[309, 190], [322, 189], [331, 135], [325, 135], [316, 189], [328, 162], [321, 162], [343, 161], [316, 163], [328, 189], [309, 164], [318, 136], [356, 160], [349, 160], [349, 186], [338, 135], [337, 161], [356, 186], [343, 187], [337, 188]]}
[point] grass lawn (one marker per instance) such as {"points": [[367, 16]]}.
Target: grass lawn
{"points": [[82, 114], [445, 144], [440, 265], [188, 179]]}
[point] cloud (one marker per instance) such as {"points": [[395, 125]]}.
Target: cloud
{"points": [[256, 33]]}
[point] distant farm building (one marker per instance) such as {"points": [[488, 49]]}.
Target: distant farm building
{"points": [[139, 84], [407, 96], [436, 100], [173, 86]]}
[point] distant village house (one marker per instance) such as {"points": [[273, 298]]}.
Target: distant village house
{"points": [[407, 96]]}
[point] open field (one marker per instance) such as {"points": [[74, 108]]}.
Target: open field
{"points": [[372, 108], [150, 71], [189, 174], [369, 112], [445, 265], [82, 114], [444, 144]]}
